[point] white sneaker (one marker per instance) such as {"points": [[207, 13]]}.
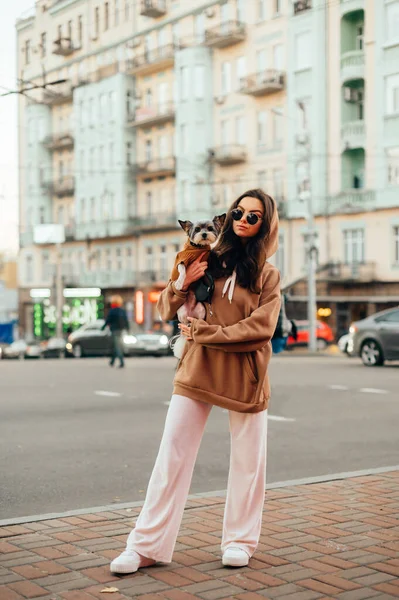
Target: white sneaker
{"points": [[129, 562], [235, 557]]}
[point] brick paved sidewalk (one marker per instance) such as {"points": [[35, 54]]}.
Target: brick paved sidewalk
{"points": [[328, 540]]}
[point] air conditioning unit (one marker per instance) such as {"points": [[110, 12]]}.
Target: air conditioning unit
{"points": [[351, 95]]}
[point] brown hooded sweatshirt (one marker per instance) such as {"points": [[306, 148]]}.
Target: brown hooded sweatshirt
{"points": [[227, 362]]}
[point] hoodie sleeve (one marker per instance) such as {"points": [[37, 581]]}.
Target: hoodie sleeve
{"points": [[250, 334], [170, 301]]}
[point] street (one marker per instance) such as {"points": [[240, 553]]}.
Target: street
{"points": [[77, 434]]}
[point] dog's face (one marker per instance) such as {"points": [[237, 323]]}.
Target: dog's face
{"points": [[203, 233]]}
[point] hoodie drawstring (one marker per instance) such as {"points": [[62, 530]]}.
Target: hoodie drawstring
{"points": [[229, 286]]}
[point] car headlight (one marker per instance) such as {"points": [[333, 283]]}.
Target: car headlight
{"points": [[352, 329], [68, 346], [130, 339], [164, 340]]}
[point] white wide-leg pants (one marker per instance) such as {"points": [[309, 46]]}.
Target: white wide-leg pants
{"points": [[157, 526]]}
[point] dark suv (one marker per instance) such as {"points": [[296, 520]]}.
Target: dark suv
{"points": [[376, 339]]}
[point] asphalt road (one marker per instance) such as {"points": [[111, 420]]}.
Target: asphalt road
{"points": [[77, 434]]}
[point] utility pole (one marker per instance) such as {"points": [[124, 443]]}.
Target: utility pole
{"points": [[58, 290], [311, 237]]}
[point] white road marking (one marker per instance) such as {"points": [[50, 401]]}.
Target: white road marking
{"points": [[373, 391], [340, 388], [105, 393], [282, 419]]}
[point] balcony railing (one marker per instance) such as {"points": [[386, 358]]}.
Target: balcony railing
{"points": [[153, 277], [302, 5], [358, 271], [107, 228], [155, 167], [105, 278], [353, 135], [57, 94], [63, 186], [60, 141], [153, 8], [152, 115], [352, 65], [230, 154], [152, 60], [159, 221], [224, 35], [263, 83], [64, 47], [352, 201]]}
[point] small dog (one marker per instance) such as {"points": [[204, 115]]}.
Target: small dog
{"points": [[201, 236]]}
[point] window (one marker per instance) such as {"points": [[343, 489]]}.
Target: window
{"points": [[226, 77], [393, 165], [163, 261], [129, 258], [92, 210], [129, 156], [148, 150], [199, 82], [45, 266], [149, 259], [392, 21], [101, 157], [111, 149], [59, 32], [183, 139], [278, 185], [163, 95], [225, 16], [262, 10], [262, 179], [43, 44], [27, 52], [261, 61], [241, 70], [106, 16], [80, 30], [41, 215], [82, 164], [225, 132], [161, 38], [60, 215], [392, 94], [131, 204], [91, 160], [82, 210], [111, 105], [148, 98], [390, 317], [163, 146], [303, 57], [199, 28], [396, 244], [241, 11], [360, 37], [280, 254], [185, 82], [262, 127], [129, 104], [116, 13], [240, 130], [29, 268], [277, 128], [278, 57], [277, 7], [127, 9], [175, 33], [69, 35], [353, 246], [96, 22]]}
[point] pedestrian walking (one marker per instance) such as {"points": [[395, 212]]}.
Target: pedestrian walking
{"points": [[118, 323], [224, 363], [284, 329]]}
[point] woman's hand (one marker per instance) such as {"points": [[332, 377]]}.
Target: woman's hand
{"points": [[186, 331], [195, 271]]}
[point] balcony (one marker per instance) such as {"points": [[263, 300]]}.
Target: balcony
{"points": [[153, 8], [267, 82], [159, 278], [104, 72], [152, 115], [352, 201], [301, 6], [361, 272], [155, 168], [57, 94], [103, 228], [64, 47], [224, 35], [352, 65], [353, 135], [158, 222], [105, 278], [63, 186], [151, 61], [230, 154], [61, 141]]}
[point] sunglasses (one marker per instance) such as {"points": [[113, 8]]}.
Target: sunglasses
{"points": [[251, 218]]}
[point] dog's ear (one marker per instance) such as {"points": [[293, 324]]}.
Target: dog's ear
{"points": [[186, 226], [219, 221]]}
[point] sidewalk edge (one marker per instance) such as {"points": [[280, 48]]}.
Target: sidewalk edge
{"points": [[215, 493]]}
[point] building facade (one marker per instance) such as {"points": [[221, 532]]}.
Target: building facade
{"points": [[166, 109]]}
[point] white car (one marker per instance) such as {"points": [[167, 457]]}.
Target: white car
{"points": [[343, 343], [21, 349]]}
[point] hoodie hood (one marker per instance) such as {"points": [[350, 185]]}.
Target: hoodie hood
{"points": [[271, 243]]}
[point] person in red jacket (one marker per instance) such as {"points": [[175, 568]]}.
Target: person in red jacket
{"points": [[118, 323]]}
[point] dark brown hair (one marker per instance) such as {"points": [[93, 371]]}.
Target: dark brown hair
{"points": [[247, 259]]}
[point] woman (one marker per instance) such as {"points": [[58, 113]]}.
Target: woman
{"points": [[224, 363]]}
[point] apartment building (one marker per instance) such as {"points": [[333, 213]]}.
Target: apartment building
{"points": [[162, 109]]}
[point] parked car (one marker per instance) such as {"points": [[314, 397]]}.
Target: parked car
{"points": [[22, 349], [324, 335], [53, 348], [91, 340], [376, 338]]}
